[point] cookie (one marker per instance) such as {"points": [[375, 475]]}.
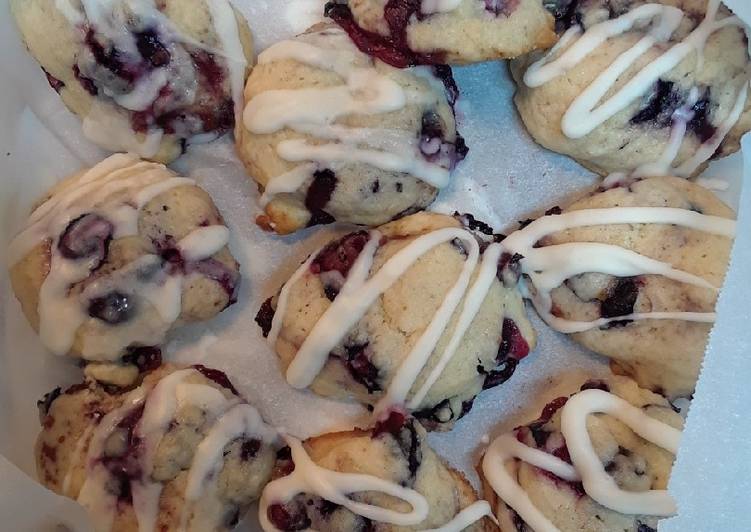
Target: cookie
{"points": [[366, 473], [411, 314], [665, 92], [331, 134], [116, 256], [570, 470], [410, 32], [147, 78], [633, 273], [181, 451]]}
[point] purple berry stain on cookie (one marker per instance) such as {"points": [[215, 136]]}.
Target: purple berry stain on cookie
{"points": [[219, 377], [660, 105], [86, 237], [152, 49], [319, 195], [565, 12], [620, 300], [390, 424], [228, 278], [501, 7], [249, 449], [699, 123], [113, 308], [265, 317], [145, 358], [340, 255], [124, 465], [394, 49], [513, 344], [287, 519], [361, 368], [55, 83]]}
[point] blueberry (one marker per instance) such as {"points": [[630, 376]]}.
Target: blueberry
{"points": [[249, 449], [151, 48], [287, 520], [85, 237], [341, 254], [319, 194], [113, 308], [621, 298], [265, 317], [660, 105]]}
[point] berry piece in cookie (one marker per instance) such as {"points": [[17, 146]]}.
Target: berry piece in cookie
{"points": [[116, 256], [421, 313], [655, 88], [332, 134], [372, 478], [179, 451], [597, 460], [410, 32], [144, 77], [633, 273]]}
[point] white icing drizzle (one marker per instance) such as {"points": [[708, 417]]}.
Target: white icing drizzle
{"points": [[597, 483], [240, 421], [439, 6], [112, 19], [281, 305], [314, 111], [115, 189], [548, 267], [335, 486], [588, 111], [227, 418], [587, 467], [468, 516]]}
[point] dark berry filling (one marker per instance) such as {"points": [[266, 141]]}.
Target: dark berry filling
{"points": [[409, 443], [152, 49], [436, 415], [318, 196], [125, 467], [109, 58], [473, 224], [435, 148], [595, 385], [87, 83], [55, 83], [621, 299], [288, 518], [660, 105], [501, 7], [565, 12], [393, 50], [265, 317], [699, 123], [228, 278], [361, 368], [113, 308], [554, 211], [340, 255], [249, 449], [392, 424], [87, 236], [45, 403], [509, 268], [499, 375], [513, 344], [217, 376], [145, 358]]}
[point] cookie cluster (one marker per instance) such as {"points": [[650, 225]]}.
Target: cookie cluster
{"points": [[413, 314]]}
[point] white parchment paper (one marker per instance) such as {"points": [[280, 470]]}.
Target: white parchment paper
{"points": [[506, 177]]}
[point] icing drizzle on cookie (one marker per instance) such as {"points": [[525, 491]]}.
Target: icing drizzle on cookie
{"points": [[227, 419], [548, 267], [592, 108], [78, 222], [586, 467], [367, 88], [336, 486], [358, 294], [141, 51]]}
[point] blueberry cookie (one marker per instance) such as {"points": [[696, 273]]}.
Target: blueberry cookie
{"points": [[145, 77], [116, 256], [598, 460], [633, 272], [366, 473], [650, 89], [410, 32], [411, 314], [181, 451], [330, 133]]}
